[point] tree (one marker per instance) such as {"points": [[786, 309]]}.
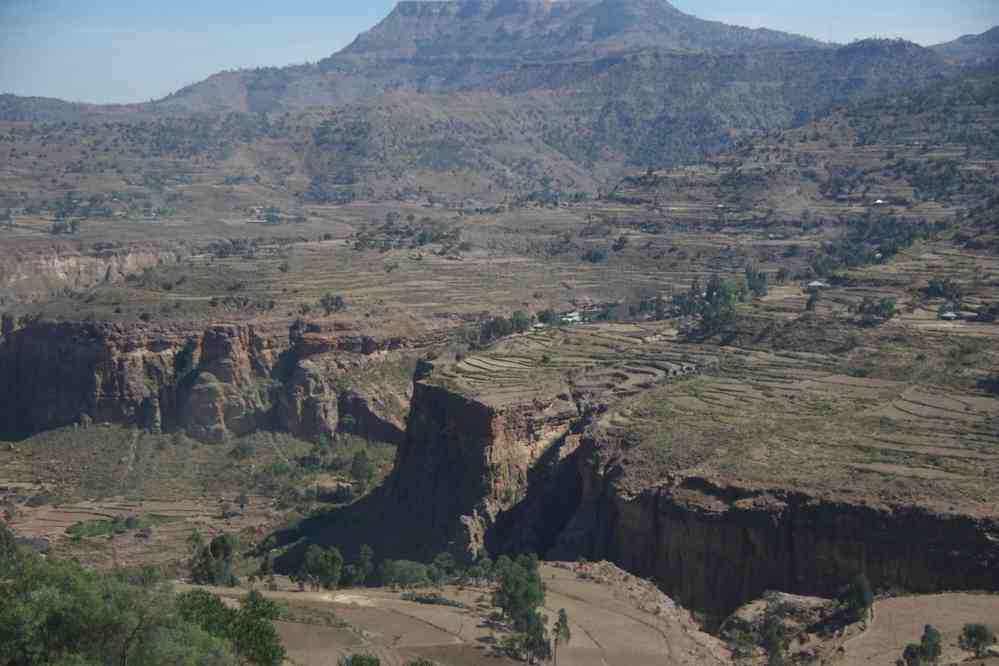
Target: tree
{"points": [[362, 469], [931, 644], [403, 573], [857, 597], [521, 321], [562, 634], [976, 638], [520, 590], [756, 281], [365, 563], [213, 564], [445, 563], [322, 567], [535, 642]]}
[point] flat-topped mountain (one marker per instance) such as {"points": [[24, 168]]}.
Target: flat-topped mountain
{"points": [[542, 29]]}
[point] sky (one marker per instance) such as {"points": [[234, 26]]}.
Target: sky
{"points": [[107, 51]]}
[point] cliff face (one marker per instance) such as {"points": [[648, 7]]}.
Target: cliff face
{"points": [[57, 374], [223, 381], [464, 462], [714, 547]]}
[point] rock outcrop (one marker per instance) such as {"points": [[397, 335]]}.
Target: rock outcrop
{"points": [[215, 383], [465, 461]]}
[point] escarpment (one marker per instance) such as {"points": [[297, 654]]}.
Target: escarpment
{"points": [[714, 546], [717, 499], [222, 381], [464, 461]]}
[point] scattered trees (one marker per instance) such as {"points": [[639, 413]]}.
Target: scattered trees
{"points": [[249, 629], [927, 651], [976, 638]]}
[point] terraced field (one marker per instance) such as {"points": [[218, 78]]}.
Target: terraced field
{"points": [[597, 361], [794, 420]]}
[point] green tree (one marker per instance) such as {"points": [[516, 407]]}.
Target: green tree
{"points": [[362, 469], [931, 644], [520, 590], [562, 634], [322, 567], [976, 638], [365, 563], [520, 321], [213, 564], [857, 597]]}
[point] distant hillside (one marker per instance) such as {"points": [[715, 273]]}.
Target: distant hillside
{"points": [[971, 49], [477, 99], [923, 154]]}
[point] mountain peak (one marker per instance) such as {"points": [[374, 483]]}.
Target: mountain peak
{"points": [[550, 29]]}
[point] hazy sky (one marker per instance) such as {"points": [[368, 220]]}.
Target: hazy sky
{"points": [[135, 50]]}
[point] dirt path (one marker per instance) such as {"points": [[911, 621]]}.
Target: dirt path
{"points": [[900, 621]]}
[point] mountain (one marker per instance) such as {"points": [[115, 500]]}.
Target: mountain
{"points": [[543, 30], [487, 99], [971, 49]]}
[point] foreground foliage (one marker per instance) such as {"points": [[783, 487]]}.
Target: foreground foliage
{"points": [[58, 613]]}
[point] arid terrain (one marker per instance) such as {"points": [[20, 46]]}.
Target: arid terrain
{"points": [[712, 361]]}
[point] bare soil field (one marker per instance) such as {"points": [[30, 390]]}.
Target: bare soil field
{"points": [[900, 621], [614, 619]]}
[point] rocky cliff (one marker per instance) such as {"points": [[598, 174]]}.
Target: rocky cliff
{"points": [[214, 383], [713, 547], [464, 461]]}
